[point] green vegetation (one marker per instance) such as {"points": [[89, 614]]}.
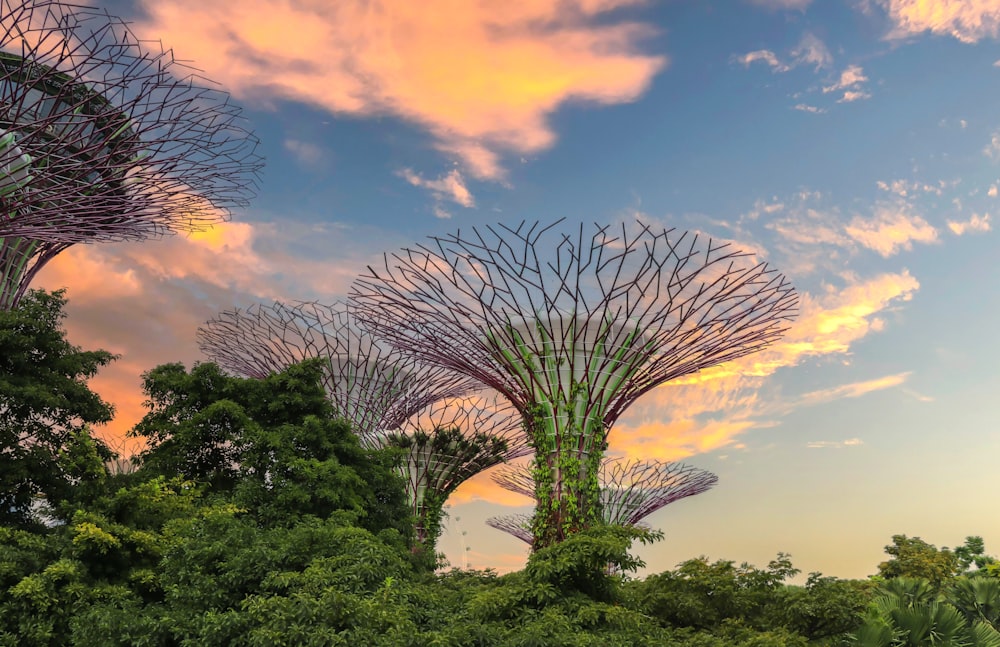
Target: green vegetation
{"points": [[255, 518]]}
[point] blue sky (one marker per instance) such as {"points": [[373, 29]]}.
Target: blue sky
{"points": [[853, 145]]}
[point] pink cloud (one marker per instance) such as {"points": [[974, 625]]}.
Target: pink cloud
{"points": [[482, 77], [966, 20]]}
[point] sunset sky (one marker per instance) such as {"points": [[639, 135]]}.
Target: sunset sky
{"points": [[853, 144]]}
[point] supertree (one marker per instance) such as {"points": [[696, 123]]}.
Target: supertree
{"points": [[446, 444], [631, 490], [104, 139], [573, 328], [446, 431]]}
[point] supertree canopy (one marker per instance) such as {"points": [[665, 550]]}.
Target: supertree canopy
{"points": [[446, 432], [446, 444], [373, 386], [573, 328], [103, 139], [631, 490]]}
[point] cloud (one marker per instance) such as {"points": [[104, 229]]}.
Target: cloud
{"points": [[447, 187], [835, 444], [851, 81], [853, 390], [805, 107], [145, 301], [765, 55], [306, 154], [781, 4], [975, 224], [482, 78], [890, 231], [992, 150], [812, 51], [710, 409], [966, 20]]}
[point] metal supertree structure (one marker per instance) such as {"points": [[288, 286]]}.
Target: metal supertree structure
{"points": [[104, 139], [631, 490], [449, 442], [446, 428], [573, 328]]}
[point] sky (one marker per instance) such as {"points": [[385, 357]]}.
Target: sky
{"points": [[854, 145]]}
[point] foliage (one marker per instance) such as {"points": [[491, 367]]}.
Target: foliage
{"points": [[913, 557], [910, 612], [273, 445], [45, 407]]}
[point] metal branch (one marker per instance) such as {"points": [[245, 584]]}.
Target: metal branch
{"points": [[631, 490], [104, 139], [573, 329]]}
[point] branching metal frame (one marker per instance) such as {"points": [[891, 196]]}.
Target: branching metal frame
{"points": [[447, 431], [631, 490], [573, 328], [103, 138], [448, 443], [373, 386]]}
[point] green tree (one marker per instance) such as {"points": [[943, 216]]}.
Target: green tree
{"points": [[45, 408], [913, 557], [973, 552], [273, 445]]}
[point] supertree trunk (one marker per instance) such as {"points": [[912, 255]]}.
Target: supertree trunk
{"points": [[573, 329]]}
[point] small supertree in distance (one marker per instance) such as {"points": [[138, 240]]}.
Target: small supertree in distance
{"points": [[631, 490], [373, 386], [572, 328], [105, 139], [445, 428], [446, 444]]}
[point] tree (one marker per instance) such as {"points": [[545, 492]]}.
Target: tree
{"points": [[274, 445], [45, 407], [973, 551], [914, 557]]}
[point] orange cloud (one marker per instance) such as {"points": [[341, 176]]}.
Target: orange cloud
{"points": [[481, 76], [144, 301], [710, 409], [978, 223], [890, 231], [966, 20]]}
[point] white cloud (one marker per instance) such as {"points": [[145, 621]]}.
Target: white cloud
{"points": [[305, 153], [764, 55], [804, 107], [992, 150], [978, 223], [835, 444], [854, 95], [812, 51], [447, 187]]}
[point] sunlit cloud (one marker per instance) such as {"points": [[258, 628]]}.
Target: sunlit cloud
{"points": [[992, 149], [966, 20], [710, 409], [835, 444], [482, 78], [851, 81], [144, 301], [447, 187], [763, 55], [805, 107], [977, 223], [809, 51], [853, 390], [891, 230]]}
